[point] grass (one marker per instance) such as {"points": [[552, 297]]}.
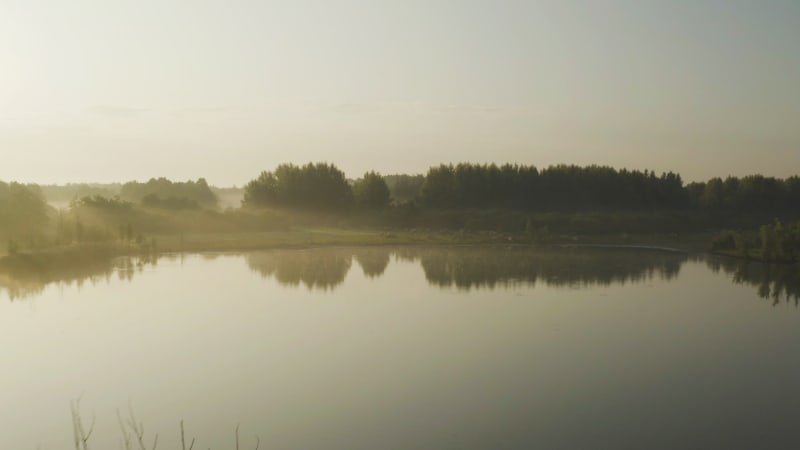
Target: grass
{"points": [[77, 255], [132, 432], [87, 253], [312, 237], [753, 254], [321, 237]]}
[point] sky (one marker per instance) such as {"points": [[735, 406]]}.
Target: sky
{"points": [[119, 90]]}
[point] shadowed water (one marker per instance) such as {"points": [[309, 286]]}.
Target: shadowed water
{"points": [[468, 347]]}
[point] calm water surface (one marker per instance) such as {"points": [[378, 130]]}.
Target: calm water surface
{"points": [[407, 348]]}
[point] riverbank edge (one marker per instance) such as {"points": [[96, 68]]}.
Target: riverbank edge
{"points": [[328, 237]]}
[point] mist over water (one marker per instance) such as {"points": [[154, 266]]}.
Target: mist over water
{"points": [[399, 225], [375, 347]]}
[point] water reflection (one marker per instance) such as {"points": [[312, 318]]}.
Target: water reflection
{"points": [[316, 269], [373, 261], [461, 268], [478, 267], [471, 267], [773, 282], [26, 281]]}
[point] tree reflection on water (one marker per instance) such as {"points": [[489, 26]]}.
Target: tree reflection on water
{"points": [[774, 282], [25, 281], [463, 268], [472, 267]]}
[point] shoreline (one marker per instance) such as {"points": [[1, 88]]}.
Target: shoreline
{"points": [[303, 239]]}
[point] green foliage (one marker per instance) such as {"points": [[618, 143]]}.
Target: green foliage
{"points": [[725, 240], [752, 193], [548, 204], [560, 187], [314, 186], [773, 243], [371, 192], [780, 243], [770, 241], [173, 203], [79, 230], [439, 188], [104, 204], [734, 243], [197, 191], [23, 211], [743, 245], [404, 188]]}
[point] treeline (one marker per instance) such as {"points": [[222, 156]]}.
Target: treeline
{"points": [[324, 186], [773, 242], [315, 186], [160, 188], [560, 187], [567, 188], [161, 191], [23, 211], [520, 187], [513, 198], [404, 188], [63, 194], [572, 188], [750, 193]]}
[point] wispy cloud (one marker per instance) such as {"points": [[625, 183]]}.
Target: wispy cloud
{"points": [[203, 110], [118, 111], [417, 107], [466, 109], [355, 108]]}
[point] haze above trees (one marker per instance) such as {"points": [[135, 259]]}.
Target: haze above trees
{"points": [[508, 198]]}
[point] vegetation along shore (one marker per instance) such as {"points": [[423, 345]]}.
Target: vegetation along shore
{"points": [[295, 206]]}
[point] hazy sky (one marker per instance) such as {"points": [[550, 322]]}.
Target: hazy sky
{"points": [[113, 90]]}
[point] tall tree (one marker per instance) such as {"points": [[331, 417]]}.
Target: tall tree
{"points": [[315, 186], [371, 192]]}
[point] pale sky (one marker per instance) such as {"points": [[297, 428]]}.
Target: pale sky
{"points": [[112, 90]]}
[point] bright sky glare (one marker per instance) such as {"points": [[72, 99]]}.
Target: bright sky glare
{"points": [[95, 90]]}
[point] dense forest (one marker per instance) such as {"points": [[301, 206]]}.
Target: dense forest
{"points": [[510, 198], [521, 187], [318, 186], [23, 211], [163, 191]]}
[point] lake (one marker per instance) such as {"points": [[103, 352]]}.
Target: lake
{"points": [[406, 348]]}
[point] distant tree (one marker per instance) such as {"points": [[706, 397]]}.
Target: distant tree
{"points": [[263, 191], [197, 191], [79, 230], [439, 188], [404, 188], [169, 203], [103, 204], [562, 187], [23, 210], [791, 243], [771, 244], [725, 240], [371, 191], [314, 186], [70, 191], [753, 193]]}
